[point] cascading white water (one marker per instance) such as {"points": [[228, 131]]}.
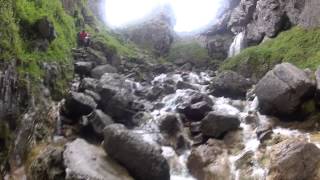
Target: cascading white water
{"points": [[237, 45], [250, 141]]}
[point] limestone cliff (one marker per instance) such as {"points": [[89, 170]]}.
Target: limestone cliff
{"points": [[259, 19]]}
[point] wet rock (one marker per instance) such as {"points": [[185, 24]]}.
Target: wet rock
{"points": [[130, 149], [217, 124], [122, 108], [154, 93], [77, 105], [317, 95], [170, 124], [198, 140], [209, 161], [264, 132], [184, 85], [230, 84], [141, 118], [48, 164], [245, 160], [195, 127], [194, 105], [88, 84], [85, 161], [294, 159], [172, 129], [96, 97], [83, 68], [98, 71], [283, 89], [99, 120]]}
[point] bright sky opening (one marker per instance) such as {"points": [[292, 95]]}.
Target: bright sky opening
{"points": [[190, 14]]}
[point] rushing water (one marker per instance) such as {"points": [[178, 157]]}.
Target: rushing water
{"points": [[179, 170], [237, 45], [251, 144]]}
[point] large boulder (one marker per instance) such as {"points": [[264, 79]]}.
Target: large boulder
{"points": [[77, 105], [117, 98], [196, 111], [131, 150], [283, 89], [86, 161], [210, 161], [83, 68], [216, 124], [194, 105], [98, 71], [294, 159], [170, 124], [230, 84]]}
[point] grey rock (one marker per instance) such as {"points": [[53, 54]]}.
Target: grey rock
{"points": [[98, 71], [85, 161], [99, 120], [77, 105], [294, 159], [230, 84], [217, 124], [283, 89], [83, 68], [129, 149], [170, 124], [210, 161]]}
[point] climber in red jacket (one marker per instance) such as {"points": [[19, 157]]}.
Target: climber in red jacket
{"points": [[84, 38]]}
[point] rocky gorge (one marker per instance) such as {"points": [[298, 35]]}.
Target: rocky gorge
{"points": [[119, 110]]}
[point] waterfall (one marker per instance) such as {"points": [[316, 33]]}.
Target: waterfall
{"points": [[237, 45]]}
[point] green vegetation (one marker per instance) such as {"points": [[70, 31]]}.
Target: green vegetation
{"points": [[18, 36], [298, 46], [190, 51], [9, 31]]}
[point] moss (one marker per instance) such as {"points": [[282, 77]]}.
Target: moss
{"points": [[298, 46], [309, 107], [190, 51], [10, 43]]}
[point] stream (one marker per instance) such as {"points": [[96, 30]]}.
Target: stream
{"points": [[242, 109]]}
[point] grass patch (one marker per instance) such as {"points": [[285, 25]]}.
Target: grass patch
{"points": [[298, 46], [189, 51]]}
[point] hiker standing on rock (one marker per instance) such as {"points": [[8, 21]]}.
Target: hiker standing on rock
{"points": [[83, 38]]}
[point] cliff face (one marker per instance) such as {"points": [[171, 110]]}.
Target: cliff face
{"points": [[155, 33], [260, 19]]}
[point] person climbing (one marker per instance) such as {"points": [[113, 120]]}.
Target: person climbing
{"points": [[84, 38]]}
